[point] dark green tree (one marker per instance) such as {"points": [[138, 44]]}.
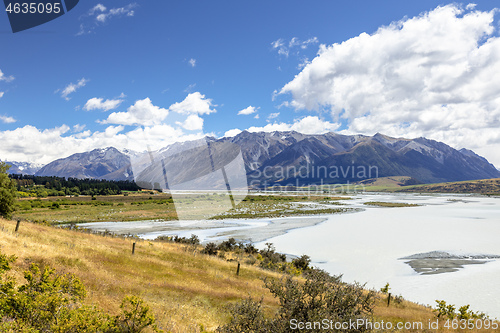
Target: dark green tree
{"points": [[7, 192]]}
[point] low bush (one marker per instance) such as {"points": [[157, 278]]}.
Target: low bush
{"points": [[320, 297], [50, 302]]}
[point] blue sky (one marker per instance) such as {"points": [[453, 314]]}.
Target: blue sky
{"points": [[132, 74]]}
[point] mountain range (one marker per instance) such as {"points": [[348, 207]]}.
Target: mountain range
{"points": [[25, 168], [285, 158]]}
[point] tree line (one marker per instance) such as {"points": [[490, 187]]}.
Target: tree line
{"points": [[60, 186]]}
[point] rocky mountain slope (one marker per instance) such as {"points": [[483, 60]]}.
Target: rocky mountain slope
{"points": [[25, 168], [106, 163], [285, 158]]}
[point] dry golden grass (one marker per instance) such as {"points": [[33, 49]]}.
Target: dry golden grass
{"points": [[184, 288]]}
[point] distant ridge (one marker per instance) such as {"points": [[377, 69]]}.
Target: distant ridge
{"points": [[292, 158], [25, 168], [104, 163]]}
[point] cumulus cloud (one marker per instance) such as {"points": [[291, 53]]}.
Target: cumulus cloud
{"points": [[306, 125], [54, 143], [5, 78], [143, 112], [149, 131], [101, 104], [248, 110], [435, 75], [192, 62], [72, 87], [192, 123], [232, 133], [1, 94], [284, 48], [194, 103], [6, 119]]}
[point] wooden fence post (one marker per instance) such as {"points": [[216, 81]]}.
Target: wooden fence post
{"points": [[17, 225], [389, 299], [133, 248], [238, 269]]}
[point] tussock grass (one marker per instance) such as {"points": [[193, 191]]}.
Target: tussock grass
{"points": [[184, 288]]}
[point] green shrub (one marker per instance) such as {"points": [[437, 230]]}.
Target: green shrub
{"points": [[135, 316], [210, 249], [385, 289], [227, 245], [320, 297], [444, 310], [302, 263], [49, 302], [7, 191]]}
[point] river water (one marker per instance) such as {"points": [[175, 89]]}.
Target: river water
{"points": [[366, 246]]}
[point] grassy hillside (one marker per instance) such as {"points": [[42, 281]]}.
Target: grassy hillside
{"points": [[408, 184], [185, 288], [387, 183], [482, 186]]}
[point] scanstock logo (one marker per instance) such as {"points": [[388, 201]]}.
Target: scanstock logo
{"points": [[26, 14], [205, 177]]}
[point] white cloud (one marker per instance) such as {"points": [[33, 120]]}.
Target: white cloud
{"points": [[99, 14], [151, 132], [72, 87], [17, 145], [189, 88], [283, 48], [97, 8], [436, 75], [192, 62], [192, 123], [256, 116], [471, 6], [143, 112], [1, 94], [78, 128], [54, 143], [248, 110], [273, 115], [101, 104], [7, 119], [306, 125], [5, 78], [280, 46], [194, 103], [122, 11], [232, 133]]}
